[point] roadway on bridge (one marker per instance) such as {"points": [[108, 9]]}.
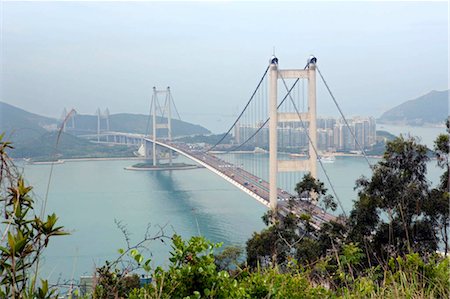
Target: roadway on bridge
{"points": [[255, 184]]}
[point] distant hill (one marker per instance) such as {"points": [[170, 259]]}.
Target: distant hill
{"points": [[69, 146], [431, 108], [134, 123], [21, 126], [35, 136]]}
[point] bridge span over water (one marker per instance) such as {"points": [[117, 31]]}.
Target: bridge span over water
{"points": [[252, 185], [247, 182], [263, 115]]}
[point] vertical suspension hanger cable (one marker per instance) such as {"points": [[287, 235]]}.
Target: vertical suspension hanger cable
{"points": [[343, 117], [313, 147], [240, 115], [263, 125]]}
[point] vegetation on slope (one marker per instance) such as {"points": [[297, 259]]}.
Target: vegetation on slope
{"points": [[25, 234], [34, 136], [46, 148], [135, 123], [21, 126], [430, 108]]}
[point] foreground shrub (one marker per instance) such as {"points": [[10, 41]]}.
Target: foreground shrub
{"points": [[193, 274]]}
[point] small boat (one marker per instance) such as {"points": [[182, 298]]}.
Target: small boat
{"points": [[259, 150], [327, 159]]}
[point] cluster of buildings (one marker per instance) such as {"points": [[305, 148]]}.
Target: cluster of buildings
{"points": [[332, 134]]}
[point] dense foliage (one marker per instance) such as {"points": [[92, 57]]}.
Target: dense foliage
{"points": [[24, 234], [193, 274]]}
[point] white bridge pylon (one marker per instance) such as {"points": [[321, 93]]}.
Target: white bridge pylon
{"points": [[276, 165], [165, 109]]}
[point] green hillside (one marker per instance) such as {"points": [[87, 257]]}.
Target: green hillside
{"points": [[431, 108], [69, 146], [20, 125], [34, 136], [134, 123]]}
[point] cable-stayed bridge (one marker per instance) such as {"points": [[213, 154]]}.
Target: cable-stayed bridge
{"points": [[260, 127]]}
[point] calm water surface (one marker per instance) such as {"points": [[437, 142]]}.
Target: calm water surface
{"points": [[89, 196]]}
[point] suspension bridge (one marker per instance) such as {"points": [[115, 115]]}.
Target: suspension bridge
{"points": [[260, 127]]}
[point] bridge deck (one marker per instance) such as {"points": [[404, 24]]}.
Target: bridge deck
{"points": [[244, 180], [255, 186]]}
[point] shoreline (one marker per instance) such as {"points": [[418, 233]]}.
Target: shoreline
{"points": [[426, 125], [132, 168], [61, 161], [102, 159]]}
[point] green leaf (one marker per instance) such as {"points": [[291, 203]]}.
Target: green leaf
{"points": [[134, 252], [5, 250], [139, 258]]}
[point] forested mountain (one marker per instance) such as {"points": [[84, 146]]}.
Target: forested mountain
{"points": [[35, 136], [134, 123], [20, 125], [431, 108]]}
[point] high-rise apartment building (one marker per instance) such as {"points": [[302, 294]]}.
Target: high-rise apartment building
{"points": [[332, 134]]}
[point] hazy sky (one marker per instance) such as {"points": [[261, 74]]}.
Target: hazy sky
{"points": [[85, 55]]}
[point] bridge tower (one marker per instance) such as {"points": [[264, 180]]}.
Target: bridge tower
{"points": [[275, 165], [65, 116], [161, 125], [101, 116]]}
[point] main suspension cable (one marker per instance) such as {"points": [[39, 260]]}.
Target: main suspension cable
{"points": [[240, 115], [174, 106], [343, 117], [262, 126], [312, 145], [267, 120]]}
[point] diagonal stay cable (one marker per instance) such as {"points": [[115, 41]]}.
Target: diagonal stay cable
{"points": [[262, 126], [174, 106], [343, 117], [240, 115], [312, 145]]}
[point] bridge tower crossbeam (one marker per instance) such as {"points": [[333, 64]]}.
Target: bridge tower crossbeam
{"points": [[156, 125], [310, 116]]}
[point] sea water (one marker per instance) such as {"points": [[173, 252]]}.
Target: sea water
{"points": [[91, 197]]}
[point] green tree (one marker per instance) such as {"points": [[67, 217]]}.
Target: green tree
{"points": [[391, 217], [24, 237], [228, 259], [292, 236], [438, 205], [442, 149], [191, 274]]}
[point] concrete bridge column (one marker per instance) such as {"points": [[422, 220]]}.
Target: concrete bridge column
{"points": [[273, 138]]}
